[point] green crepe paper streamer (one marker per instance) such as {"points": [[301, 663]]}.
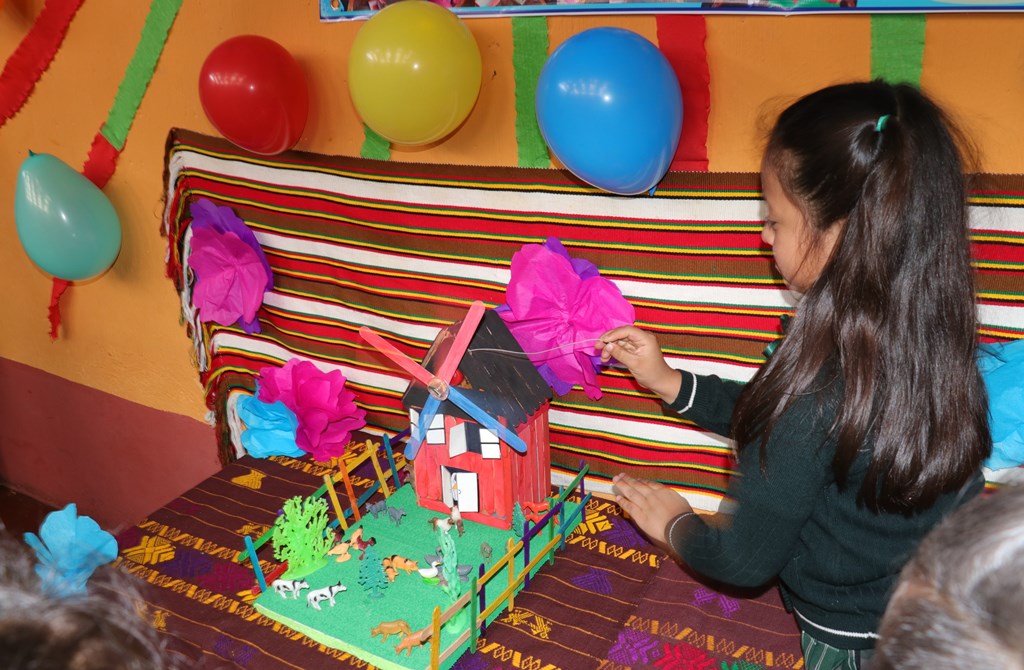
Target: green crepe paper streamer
{"points": [[529, 53], [897, 47], [129, 95], [374, 146]]}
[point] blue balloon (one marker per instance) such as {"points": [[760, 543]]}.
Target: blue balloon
{"points": [[610, 109], [65, 223]]}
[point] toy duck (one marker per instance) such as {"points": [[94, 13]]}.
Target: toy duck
{"points": [[429, 575]]}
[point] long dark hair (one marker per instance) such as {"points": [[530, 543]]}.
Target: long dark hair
{"points": [[892, 317]]}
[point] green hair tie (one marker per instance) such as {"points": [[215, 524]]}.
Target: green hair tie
{"points": [[880, 123]]}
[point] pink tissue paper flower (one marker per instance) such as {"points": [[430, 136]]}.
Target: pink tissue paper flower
{"points": [[229, 265], [326, 410], [556, 308]]}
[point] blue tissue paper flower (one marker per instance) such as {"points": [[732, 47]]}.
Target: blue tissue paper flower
{"points": [[269, 428], [1002, 368], [69, 549]]}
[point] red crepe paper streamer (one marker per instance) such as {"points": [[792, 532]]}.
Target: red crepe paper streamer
{"points": [[109, 141], [59, 286], [681, 39], [99, 168], [33, 56], [102, 161], [18, 79]]}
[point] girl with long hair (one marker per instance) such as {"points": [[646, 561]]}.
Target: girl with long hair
{"points": [[868, 424]]}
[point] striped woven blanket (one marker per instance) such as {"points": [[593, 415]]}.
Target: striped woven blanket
{"points": [[404, 248]]}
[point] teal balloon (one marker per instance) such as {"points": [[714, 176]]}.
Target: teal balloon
{"points": [[65, 223]]}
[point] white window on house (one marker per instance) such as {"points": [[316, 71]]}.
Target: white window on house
{"points": [[490, 445], [475, 439], [435, 432], [414, 424], [457, 442]]}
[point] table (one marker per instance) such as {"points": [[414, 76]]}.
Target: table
{"points": [[609, 601]]}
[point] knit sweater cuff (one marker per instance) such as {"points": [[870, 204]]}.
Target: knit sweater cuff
{"points": [[678, 529], [687, 392]]}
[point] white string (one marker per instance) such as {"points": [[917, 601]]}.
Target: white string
{"points": [[533, 353]]}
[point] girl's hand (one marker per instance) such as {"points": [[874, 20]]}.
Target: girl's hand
{"points": [[639, 351], [651, 505]]}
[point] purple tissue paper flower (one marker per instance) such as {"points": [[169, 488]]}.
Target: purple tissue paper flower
{"points": [[231, 270], [557, 308]]}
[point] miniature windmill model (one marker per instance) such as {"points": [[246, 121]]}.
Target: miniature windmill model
{"points": [[439, 385]]}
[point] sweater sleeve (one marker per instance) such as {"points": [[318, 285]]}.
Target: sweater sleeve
{"points": [[752, 545], [707, 400]]}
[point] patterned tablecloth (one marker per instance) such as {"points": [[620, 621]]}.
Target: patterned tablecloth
{"points": [[610, 601]]}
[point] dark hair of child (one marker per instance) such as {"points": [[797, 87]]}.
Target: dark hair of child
{"points": [[958, 601], [892, 314], [102, 629]]}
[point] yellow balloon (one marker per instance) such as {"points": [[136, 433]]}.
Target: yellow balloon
{"points": [[414, 72]]}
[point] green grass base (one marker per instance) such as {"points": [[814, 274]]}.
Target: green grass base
{"points": [[348, 624]]}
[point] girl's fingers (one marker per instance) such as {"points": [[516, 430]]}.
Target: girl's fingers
{"points": [[636, 490], [627, 506]]}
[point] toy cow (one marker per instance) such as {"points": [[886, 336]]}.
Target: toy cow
{"points": [[314, 598], [286, 587]]}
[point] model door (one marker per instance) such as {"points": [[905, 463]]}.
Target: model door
{"points": [[460, 487]]}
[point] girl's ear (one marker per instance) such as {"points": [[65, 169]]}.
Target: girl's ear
{"points": [[830, 238]]}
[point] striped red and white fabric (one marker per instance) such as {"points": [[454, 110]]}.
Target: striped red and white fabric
{"points": [[405, 248]]}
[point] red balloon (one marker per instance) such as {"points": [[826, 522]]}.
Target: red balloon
{"points": [[254, 93]]}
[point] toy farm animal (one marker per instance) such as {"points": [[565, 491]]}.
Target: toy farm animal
{"points": [[359, 543], [440, 523], [340, 550], [396, 514], [286, 587], [314, 598], [375, 508], [392, 564], [403, 563], [431, 572], [385, 628], [410, 641], [456, 518], [445, 523]]}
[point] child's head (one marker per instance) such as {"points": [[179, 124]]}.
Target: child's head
{"points": [[868, 218], [99, 630], [958, 601], [856, 160], [799, 248]]}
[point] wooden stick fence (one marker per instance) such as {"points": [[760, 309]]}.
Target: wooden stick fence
{"points": [[477, 590], [341, 514]]}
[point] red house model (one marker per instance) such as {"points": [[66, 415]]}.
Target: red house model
{"points": [[461, 463]]}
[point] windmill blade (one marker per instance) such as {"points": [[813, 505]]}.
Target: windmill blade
{"points": [[400, 359], [485, 419], [461, 342], [417, 438]]}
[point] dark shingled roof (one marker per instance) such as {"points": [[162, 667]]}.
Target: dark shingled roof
{"points": [[502, 384]]}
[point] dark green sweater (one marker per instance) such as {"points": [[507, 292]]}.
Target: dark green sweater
{"points": [[836, 560]]}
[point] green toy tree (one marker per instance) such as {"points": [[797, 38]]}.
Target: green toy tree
{"points": [[518, 520], [372, 577], [299, 535], [450, 567]]}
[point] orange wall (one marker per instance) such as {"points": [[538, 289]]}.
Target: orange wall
{"points": [[122, 334]]}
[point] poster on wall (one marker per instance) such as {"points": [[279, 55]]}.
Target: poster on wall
{"points": [[340, 10]]}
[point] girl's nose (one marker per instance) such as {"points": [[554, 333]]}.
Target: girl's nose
{"points": [[767, 234]]}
